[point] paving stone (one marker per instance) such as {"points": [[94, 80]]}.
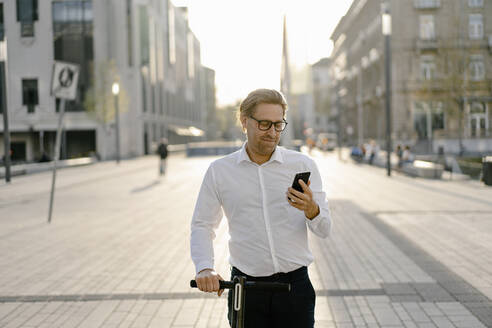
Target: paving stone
{"points": [[101, 264], [399, 289]]}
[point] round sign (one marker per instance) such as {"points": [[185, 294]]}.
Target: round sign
{"points": [[65, 77]]}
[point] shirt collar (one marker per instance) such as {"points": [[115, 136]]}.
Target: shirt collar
{"points": [[243, 155]]}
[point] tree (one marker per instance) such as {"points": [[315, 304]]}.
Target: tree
{"points": [[451, 83], [99, 100]]}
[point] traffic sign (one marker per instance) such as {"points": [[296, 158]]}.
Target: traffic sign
{"points": [[64, 80]]}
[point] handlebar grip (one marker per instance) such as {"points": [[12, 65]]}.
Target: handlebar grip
{"points": [[222, 284], [258, 285]]}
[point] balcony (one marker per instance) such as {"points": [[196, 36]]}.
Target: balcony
{"points": [[426, 4], [427, 44]]}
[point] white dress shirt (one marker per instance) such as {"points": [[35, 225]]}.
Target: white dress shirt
{"points": [[268, 235]]}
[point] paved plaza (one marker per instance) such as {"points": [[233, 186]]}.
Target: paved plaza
{"points": [[404, 252]]}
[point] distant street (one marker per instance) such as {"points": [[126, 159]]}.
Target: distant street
{"points": [[405, 252]]}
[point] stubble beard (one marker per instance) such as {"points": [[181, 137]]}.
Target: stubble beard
{"points": [[266, 148]]}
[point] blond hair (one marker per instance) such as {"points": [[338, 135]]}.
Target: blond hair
{"points": [[261, 96]]}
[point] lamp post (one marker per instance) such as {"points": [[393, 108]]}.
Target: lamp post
{"points": [[341, 92], [386, 25], [3, 104], [116, 90]]}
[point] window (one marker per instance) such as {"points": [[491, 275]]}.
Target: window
{"points": [[171, 35], [478, 121], [144, 91], [477, 68], [27, 13], [2, 29], [427, 68], [427, 117], [143, 19], [27, 10], [30, 94], [426, 3], [475, 26], [475, 3], [73, 42], [191, 56], [129, 31], [477, 108], [2, 89], [427, 29]]}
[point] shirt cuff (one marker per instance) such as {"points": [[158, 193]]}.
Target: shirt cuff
{"points": [[322, 213], [204, 265]]}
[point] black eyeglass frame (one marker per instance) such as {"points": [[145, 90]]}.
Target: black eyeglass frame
{"points": [[270, 123]]}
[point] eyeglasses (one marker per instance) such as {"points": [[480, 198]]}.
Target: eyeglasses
{"points": [[265, 125]]}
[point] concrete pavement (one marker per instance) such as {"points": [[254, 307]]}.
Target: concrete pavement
{"points": [[404, 252]]}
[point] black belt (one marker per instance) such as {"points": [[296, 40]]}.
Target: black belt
{"points": [[283, 276]]}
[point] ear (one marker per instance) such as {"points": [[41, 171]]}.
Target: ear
{"points": [[244, 121]]}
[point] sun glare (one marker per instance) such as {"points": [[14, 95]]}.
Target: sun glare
{"points": [[242, 40]]}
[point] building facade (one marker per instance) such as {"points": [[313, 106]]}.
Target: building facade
{"points": [[441, 54], [146, 46], [212, 126], [324, 113]]}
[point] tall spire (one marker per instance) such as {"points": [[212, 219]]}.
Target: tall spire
{"points": [[285, 71], [286, 140]]}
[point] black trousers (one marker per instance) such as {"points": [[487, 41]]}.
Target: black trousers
{"points": [[281, 309]]}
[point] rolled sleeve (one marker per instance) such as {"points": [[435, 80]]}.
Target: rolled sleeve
{"points": [[321, 224]]}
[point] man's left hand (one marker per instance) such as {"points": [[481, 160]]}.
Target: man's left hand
{"points": [[303, 201]]}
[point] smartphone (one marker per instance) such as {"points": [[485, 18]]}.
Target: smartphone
{"points": [[304, 176]]}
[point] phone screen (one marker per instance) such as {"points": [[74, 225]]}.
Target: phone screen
{"points": [[304, 176]]}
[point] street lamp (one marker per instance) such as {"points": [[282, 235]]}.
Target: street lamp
{"points": [[3, 105], [340, 92], [116, 90], [386, 26]]}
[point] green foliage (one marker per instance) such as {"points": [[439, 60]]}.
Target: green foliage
{"points": [[99, 100]]}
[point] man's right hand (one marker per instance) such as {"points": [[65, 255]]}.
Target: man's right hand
{"points": [[207, 280]]}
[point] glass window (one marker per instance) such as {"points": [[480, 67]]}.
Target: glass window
{"points": [[191, 56], [427, 67], [171, 35], [129, 31], [477, 108], [30, 94], [27, 10], [73, 42], [161, 97], [427, 28], [2, 29], [475, 3], [477, 68], [27, 29], [143, 19], [27, 13], [475, 26], [143, 75], [428, 115], [427, 3]]}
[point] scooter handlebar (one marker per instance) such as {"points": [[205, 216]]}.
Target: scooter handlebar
{"points": [[258, 285]]}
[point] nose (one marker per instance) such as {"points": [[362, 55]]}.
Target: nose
{"points": [[272, 132]]}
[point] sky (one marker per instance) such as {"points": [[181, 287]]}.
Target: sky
{"points": [[242, 39]]}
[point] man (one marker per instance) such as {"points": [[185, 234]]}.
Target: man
{"points": [[162, 151], [267, 219]]}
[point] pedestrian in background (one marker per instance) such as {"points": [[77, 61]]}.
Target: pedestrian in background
{"points": [[407, 156], [267, 219], [399, 154], [162, 152]]}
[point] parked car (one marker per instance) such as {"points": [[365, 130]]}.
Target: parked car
{"points": [[326, 141]]}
